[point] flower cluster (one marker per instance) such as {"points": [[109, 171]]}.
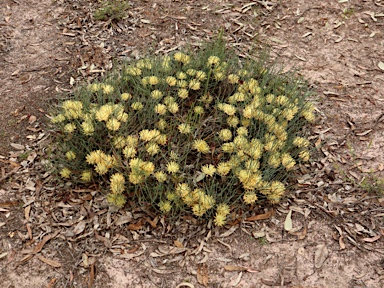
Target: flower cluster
{"points": [[187, 133]]}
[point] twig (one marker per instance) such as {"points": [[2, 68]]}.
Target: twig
{"points": [[9, 174]]}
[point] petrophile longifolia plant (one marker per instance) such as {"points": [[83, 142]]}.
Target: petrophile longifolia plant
{"points": [[191, 132]]}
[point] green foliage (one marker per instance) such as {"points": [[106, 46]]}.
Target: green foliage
{"points": [[112, 9], [198, 133]]}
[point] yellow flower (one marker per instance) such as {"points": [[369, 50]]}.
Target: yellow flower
{"points": [[277, 188], [107, 89], [225, 134], [131, 141], [252, 165], [165, 206], [300, 142], [73, 109], [207, 98], [134, 71], [194, 84], [171, 81], [181, 75], [182, 83], [148, 135], [208, 169], [119, 142], [201, 146], [160, 176], [161, 124], [152, 148], [219, 76], [165, 63], [198, 210], [228, 147], [240, 142], [101, 168], [69, 128], [95, 157], [160, 109], [219, 220], [162, 139], [70, 155], [274, 160], [137, 106], [242, 131], [304, 155], [169, 100], [173, 155], [227, 108], [104, 112], [171, 196], [172, 167], [233, 79], [113, 124], [148, 168], [185, 128], [181, 57], [287, 161], [125, 96], [58, 118], [135, 178], [309, 116], [249, 197], [213, 60], [173, 107], [129, 152], [270, 98], [191, 72], [116, 199], [117, 183], [233, 121], [144, 63], [65, 173], [156, 94], [86, 176], [182, 190], [183, 93], [223, 209], [223, 168], [94, 87], [153, 80], [200, 75], [198, 110]]}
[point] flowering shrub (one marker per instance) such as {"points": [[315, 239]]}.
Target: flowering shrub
{"points": [[189, 132]]}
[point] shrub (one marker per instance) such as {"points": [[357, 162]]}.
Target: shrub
{"points": [[112, 10], [198, 133]]}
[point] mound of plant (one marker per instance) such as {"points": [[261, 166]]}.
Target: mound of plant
{"points": [[199, 133]]}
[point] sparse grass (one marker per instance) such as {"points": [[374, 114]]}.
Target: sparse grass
{"points": [[112, 10]]}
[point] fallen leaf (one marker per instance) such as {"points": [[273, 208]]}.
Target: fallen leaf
{"points": [[234, 268], [50, 262], [178, 244], [79, 228], [27, 210], [381, 65], [46, 238], [123, 219], [321, 254], [288, 221], [372, 239], [260, 216], [17, 146], [185, 284], [105, 240], [51, 283], [91, 276], [229, 232], [32, 119], [159, 271], [135, 226], [236, 280], [202, 274]]}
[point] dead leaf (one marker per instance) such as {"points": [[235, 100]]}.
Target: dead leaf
{"points": [[24, 260], [381, 65], [123, 219], [51, 283], [321, 254], [234, 268], [288, 221], [202, 274], [91, 276], [372, 239], [236, 281], [229, 232], [159, 271], [46, 238], [178, 244], [79, 228], [185, 284], [50, 262], [260, 216], [136, 226], [27, 210], [105, 240], [32, 119]]}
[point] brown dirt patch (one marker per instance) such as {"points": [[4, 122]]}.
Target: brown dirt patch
{"points": [[338, 227]]}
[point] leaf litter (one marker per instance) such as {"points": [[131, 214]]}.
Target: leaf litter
{"points": [[59, 225]]}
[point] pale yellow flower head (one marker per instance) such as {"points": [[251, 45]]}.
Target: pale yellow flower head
{"points": [[160, 109], [160, 176], [65, 173], [137, 106], [219, 220], [173, 107], [223, 168], [70, 155], [125, 96], [172, 167], [213, 60], [107, 89], [86, 176], [171, 81], [183, 93], [73, 109], [58, 118], [156, 94], [194, 84], [165, 206], [208, 169], [198, 110], [225, 134], [117, 183], [153, 80], [249, 197], [113, 124], [185, 128], [69, 128], [201, 146], [233, 78], [152, 148]]}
